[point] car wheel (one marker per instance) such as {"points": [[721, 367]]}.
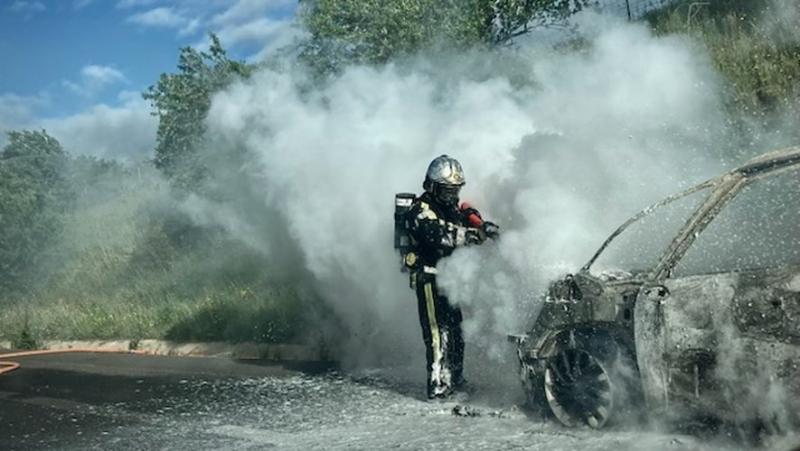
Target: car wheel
{"points": [[592, 388], [578, 389]]}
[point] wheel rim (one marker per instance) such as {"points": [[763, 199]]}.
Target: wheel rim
{"points": [[578, 389]]}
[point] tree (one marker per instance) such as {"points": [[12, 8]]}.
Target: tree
{"points": [[181, 101], [33, 193], [375, 31], [514, 18]]}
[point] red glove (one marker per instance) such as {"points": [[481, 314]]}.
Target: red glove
{"points": [[471, 215]]}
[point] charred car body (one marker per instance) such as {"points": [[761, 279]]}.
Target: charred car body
{"points": [[691, 309]]}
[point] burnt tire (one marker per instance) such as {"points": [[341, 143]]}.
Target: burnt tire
{"points": [[588, 386], [578, 389]]}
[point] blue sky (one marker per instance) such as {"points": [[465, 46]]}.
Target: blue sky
{"points": [[78, 67]]}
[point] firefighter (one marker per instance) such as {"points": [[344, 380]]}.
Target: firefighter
{"points": [[436, 227]]}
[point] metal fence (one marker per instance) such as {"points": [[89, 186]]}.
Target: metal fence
{"points": [[631, 8]]}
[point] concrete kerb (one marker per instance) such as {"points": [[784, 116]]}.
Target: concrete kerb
{"points": [[256, 351]]}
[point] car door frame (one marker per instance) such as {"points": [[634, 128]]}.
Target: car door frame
{"points": [[666, 377]]}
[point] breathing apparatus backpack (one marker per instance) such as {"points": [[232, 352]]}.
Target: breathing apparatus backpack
{"points": [[403, 242]]}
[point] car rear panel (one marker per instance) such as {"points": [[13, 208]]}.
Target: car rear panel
{"points": [[722, 346]]}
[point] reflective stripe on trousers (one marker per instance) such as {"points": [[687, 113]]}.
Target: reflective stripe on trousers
{"points": [[441, 332]]}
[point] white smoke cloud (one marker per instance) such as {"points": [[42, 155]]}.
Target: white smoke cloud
{"points": [[558, 161], [781, 21]]}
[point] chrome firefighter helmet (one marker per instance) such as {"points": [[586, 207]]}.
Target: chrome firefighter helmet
{"points": [[444, 179]]}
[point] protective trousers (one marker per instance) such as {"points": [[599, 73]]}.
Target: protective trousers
{"points": [[441, 332]]}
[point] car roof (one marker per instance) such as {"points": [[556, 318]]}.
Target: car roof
{"points": [[770, 160], [761, 164]]}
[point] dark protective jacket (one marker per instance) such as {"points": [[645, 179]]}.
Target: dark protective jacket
{"points": [[436, 231]]}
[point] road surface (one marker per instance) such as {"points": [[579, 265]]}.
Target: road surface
{"points": [[129, 402]]}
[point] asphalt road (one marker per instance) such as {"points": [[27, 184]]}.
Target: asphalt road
{"points": [[129, 402], [81, 401]]}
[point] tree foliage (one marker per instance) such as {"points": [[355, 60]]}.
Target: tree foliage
{"points": [[33, 193], [375, 31], [181, 101]]}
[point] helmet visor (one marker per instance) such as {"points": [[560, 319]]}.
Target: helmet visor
{"points": [[449, 193]]}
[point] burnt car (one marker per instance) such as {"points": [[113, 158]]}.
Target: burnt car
{"points": [[689, 310]]}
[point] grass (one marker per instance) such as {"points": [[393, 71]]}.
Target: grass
{"points": [[233, 315], [118, 274]]}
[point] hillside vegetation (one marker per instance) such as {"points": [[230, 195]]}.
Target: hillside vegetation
{"points": [[95, 249]]}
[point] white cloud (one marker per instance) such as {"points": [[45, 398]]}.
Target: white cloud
{"points": [[127, 131], [253, 23], [264, 24], [159, 17], [18, 111], [258, 30], [27, 8], [134, 3], [123, 132], [245, 10], [80, 4], [94, 79], [15, 108], [190, 28], [110, 130]]}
